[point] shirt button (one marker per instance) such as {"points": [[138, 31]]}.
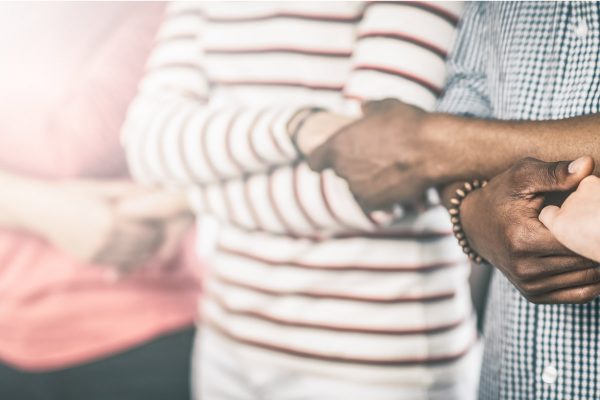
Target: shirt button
{"points": [[581, 29], [550, 374]]}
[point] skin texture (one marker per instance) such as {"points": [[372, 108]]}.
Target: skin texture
{"points": [[112, 223], [396, 151], [501, 223], [576, 223], [312, 129], [365, 153]]}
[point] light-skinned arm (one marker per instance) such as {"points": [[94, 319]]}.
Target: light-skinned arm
{"points": [[111, 223]]}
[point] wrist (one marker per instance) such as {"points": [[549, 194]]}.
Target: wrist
{"points": [[295, 123], [457, 212], [478, 148], [316, 128], [447, 140], [470, 220]]}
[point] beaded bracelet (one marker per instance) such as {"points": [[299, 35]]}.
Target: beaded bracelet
{"points": [[456, 201]]}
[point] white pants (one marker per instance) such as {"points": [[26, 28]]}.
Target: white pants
{"points": [[220, 374]]}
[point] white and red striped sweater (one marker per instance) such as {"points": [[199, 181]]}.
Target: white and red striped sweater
{"points": [[301, 275]]}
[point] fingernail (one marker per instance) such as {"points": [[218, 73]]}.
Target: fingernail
{"points": [[576, 165], [382, 217]]}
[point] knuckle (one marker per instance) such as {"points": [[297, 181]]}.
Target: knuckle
{"points": [[387, 103], [525, 164], [550, 173], [522, 271], [531, 289], [517, 239], [585, 294], [592, 275], [525, 168]]}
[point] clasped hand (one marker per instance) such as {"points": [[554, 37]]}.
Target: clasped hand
{"points": [[389, 156], [116, 224]]}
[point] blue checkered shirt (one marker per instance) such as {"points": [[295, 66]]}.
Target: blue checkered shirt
{"points": [[531, 61]]}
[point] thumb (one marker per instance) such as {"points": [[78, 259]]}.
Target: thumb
{"points": [[371, 106], [548, 216], [558, 176], [321, 158]]}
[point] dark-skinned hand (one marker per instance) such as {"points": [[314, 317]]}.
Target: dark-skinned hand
{"points": [[386, 157], [501, 224]]}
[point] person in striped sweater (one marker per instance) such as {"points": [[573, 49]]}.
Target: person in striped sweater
{"points": [[307, 296]]}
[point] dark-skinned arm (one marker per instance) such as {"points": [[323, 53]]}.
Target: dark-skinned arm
{"points": [[397, 151]]}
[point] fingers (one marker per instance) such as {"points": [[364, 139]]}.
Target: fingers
{"points": [[382, 191], [131, 245], [548, 216], [530, 238], [587, 276], [173, 236], [321, 158], [576, 295], [158, 205], [372, 106], [540, 177], [109, 190]]}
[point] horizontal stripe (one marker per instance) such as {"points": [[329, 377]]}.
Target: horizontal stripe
{"points": [[397, 234], [347, 284], [291, 50], [357, 252], [441, 53], [370, 268], [185, 12], [434, 89], [241, 82], [176, 38], [429, 7], [445, 359], [291, 15], [214, 296], [316, 295]]}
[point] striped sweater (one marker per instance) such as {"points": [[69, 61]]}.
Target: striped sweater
{"points": [[301, 275]]}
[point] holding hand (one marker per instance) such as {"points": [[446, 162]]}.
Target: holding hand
{"points": [[576, 224], [310, 129], [388, 156], [113, 223], [501, 223]]}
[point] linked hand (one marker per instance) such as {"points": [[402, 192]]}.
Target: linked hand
{"points": [[387, 157], [576, 223], [501, 223]]}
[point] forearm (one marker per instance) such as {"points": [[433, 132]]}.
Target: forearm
{"points": [[173, 140], [24, 202], [288, 200], [480, 148]]}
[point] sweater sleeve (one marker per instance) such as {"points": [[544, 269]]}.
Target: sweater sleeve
{"points": [[175, 135], [290, 200], [401, 51], [406, 63]]}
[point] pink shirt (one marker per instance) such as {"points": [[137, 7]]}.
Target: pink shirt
{"points": [[67, 74]]}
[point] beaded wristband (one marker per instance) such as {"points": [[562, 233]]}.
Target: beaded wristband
{"points": [[456, 201]]}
